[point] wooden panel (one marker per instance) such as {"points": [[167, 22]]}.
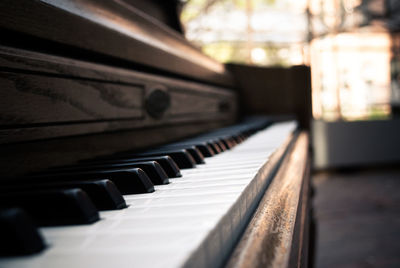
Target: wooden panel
{"points": [[117, 31], [46, 96], [271, 238], [35, 99], [184, 104]]}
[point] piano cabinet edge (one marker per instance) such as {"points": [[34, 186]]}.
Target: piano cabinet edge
{"points": [[279, 231]]}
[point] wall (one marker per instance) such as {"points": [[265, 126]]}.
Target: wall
{"points": [[363, 143]]}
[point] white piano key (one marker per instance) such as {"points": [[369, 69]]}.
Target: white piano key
{"points": [[194, 220]]}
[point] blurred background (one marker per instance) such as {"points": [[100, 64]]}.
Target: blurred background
{"points": [[353, 50], [352, 47]]}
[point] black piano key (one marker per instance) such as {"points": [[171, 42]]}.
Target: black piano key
{"points": [[181, 157], [224, 145], [128, 181], [104, 194], [215, 147], [196, 154], [232, 141], [226, 142], [19, 235], [155, 172], [132, 181], [221, 141], [166, 162], [209, 143], [54, 207], [206, 146], [220, 145], [203, 147], [239, 138], [192, 150]]}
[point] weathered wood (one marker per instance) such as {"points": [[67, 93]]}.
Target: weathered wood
{"points": [[269, 238], [301, 249], [246, 205], [103, 30]]}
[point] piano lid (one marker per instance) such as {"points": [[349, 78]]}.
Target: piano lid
{"points": [[115, 29]]}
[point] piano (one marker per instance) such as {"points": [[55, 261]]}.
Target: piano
{"points": [[122, 145]]}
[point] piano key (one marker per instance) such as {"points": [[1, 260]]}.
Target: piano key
{"points": [[221, 145], [193, 220], [166, 162], [192, 150], [215, 147], [213, 143], [54, 207], [196, 154], [19, 235], [239, 138], [226, 142], [206, 147], [203, 147], [232, 142], [104, 194], [181, 157], [155, 172], [128, 181]]}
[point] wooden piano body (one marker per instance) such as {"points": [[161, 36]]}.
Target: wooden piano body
{"points": [[85, 78]]}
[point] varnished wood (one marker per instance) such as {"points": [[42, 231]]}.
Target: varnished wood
{"points": [[166, 11], [271, 238], [47, 96], [104, 30], [38, 99]]}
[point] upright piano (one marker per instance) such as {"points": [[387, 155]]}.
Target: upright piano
{"points": [[122, 145]]}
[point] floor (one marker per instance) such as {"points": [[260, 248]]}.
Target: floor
{"points": [[358, 215]]}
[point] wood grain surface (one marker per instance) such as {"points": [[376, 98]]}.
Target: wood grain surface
{"points": [[36, 99], [272, 239], [45, 96]]}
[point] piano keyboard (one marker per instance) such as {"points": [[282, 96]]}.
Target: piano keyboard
{"points": [[194, 221]]}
